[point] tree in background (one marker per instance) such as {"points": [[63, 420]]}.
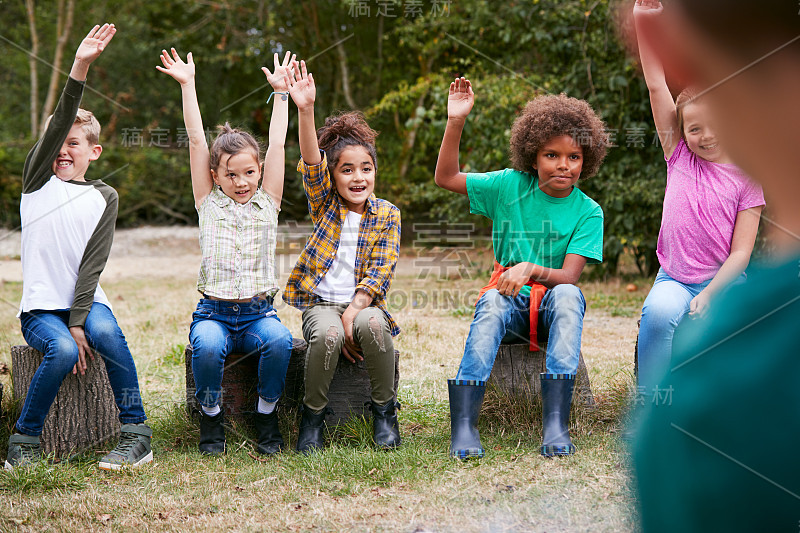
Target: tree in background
{"points": [[393, 60]]}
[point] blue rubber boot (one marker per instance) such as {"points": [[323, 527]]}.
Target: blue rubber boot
{"points": [[556, 400], [466, 398]]}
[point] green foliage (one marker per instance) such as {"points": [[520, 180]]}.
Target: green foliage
{"points": [[398, 69], [176, 355], [46, 477]]}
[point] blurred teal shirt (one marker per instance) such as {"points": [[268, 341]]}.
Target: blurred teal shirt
{"points": [[717, 451]]}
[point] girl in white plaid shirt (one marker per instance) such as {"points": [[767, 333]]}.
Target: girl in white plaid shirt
{"points": [[238, 225]]}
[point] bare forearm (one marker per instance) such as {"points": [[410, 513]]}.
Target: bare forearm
{"points": [[309, 148], [731, 269], [192, 118], [79, 70], [652, 68], [361, 300], [448, 174], [550, 277], [279, 122]]}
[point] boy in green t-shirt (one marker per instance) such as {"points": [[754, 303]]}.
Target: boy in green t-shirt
{"points": [[544, 232]]}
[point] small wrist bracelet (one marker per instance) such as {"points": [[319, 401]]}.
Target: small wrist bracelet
{"points": [[284, 95]]}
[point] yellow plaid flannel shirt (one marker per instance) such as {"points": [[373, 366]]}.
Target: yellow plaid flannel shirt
{"points": [[377, 250]]}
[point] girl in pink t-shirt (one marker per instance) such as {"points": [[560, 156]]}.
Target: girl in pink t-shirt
{"points": [[710, 218]]}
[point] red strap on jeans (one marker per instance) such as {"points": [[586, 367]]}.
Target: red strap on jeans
{"points": [[537, 294]]}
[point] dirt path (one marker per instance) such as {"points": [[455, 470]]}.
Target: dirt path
{"points": [[149, 251]]}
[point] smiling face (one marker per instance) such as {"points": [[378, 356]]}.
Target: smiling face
{"points": [[75, 155], [354, 176], [237, 175], [699, 133], [559, 163]]}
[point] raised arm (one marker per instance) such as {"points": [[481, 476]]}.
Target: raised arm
{"points": [[199, 159], [90, 49], [304, 92], [661, 102], [459, 103], [275, 160], [38, 164]]}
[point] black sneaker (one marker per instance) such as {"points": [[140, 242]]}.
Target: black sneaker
{"points": [[23, 450], [133, 448]]}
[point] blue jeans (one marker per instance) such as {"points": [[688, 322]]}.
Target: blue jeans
{"points": [[505, 319], [664, 308], [220, 328], [47, 331]]}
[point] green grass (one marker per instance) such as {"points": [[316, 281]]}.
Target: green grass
{"points": [[350, 486]]}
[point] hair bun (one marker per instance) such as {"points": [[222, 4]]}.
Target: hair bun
{"points": [[350, 125]]}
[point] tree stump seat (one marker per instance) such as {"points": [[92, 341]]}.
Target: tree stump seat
{"points": [[349, 394], [83, 415], [516, 373]]}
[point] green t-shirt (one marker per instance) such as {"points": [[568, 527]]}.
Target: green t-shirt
{"points": [[529, 225], [718, 450]]}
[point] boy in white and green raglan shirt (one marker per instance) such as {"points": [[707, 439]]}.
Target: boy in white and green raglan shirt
{"points": [[67, 229]]}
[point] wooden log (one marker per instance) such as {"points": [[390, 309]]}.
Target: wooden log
{"points": [[516, 373], [83, 415], [240, 382], [349, 392]]}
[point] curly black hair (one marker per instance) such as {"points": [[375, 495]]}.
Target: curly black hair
{"points": [[343, 130], [550, 116]]}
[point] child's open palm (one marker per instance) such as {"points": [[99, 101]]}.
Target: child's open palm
{"points": [[279, 76], [301, 85], [647, 8], [460, 99], [182, 72], [95, 42]]}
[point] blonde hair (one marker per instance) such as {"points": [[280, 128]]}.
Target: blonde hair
{"points": [[686, 97], [88, 123]]}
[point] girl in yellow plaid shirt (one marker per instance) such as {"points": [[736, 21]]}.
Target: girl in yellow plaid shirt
{"points": [[238, 226], [342, 276]]}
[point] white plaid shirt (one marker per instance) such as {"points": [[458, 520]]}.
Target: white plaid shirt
{"points": [[238, 245]]}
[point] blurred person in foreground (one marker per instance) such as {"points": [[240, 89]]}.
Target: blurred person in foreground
{"points": [[713, 455]]}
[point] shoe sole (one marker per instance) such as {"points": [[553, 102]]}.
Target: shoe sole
{"points": [[114, 466]]}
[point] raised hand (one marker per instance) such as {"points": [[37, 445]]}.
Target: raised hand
{"points": [[460, 99], [94, 43], [182, 72], [647, 8], [278, 77], [301, 85]]}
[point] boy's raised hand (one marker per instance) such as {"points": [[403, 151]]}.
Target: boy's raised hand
{"points": [[278, 78], [95, 42], [182, 72], [301, 85], [460, 98]]}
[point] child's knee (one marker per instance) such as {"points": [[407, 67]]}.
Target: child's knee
{"points": [[494, 303], [330, 336], [661, 316], [284, 338], [371, 325], [103, 333], [568, 297], [63, 351]]}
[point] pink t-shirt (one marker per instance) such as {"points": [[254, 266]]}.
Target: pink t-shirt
{"points": [[700, 208]]}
